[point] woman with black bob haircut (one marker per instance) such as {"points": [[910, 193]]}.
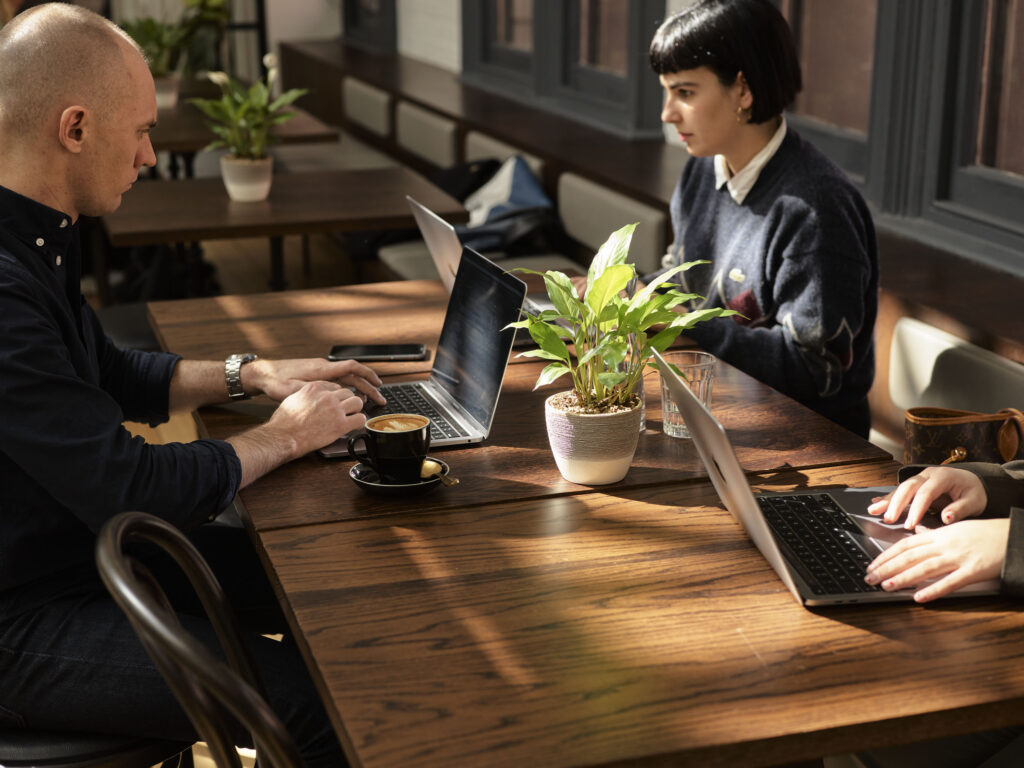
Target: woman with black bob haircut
{"points": [[790, 241]]}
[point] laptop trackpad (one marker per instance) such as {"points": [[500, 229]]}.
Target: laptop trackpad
{"points": [[877, 535]]}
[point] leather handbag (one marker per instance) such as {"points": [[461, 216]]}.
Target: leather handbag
{"points": [[946, 435]]}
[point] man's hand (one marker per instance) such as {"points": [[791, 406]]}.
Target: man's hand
{"points": [[959, 493], [280, 378], [950, 557], [314, 416]]}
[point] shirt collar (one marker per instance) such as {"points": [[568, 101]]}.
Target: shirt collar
{"points": [[43, 229], [741, 184]]}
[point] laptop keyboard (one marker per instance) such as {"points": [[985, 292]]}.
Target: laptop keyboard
{"points": [[817, 533], [407, 398]]}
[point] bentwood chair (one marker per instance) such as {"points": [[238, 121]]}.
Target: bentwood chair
{"points": [[208, 689]]}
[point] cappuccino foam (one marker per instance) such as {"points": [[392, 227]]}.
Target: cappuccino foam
{"points": [[398, 422]]}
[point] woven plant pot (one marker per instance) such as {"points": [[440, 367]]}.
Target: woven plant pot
{"points": [[592, 448]]}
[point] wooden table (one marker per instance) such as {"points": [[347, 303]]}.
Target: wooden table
{"points": [[187, 210], [769, 431], [521, 619], [634, 627]]}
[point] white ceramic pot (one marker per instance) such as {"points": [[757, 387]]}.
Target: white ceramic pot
{"points": [[592, 448], [167, 89], [247, 180]]}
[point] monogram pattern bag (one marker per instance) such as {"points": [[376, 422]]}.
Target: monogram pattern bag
{"points": [[945, 436]]}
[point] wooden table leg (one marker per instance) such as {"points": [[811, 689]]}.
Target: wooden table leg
{"points": [[277, 282]]}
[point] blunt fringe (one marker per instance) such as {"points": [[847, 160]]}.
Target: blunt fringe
{"points": [[732, 36]]}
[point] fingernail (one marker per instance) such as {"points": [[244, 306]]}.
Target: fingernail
{"points": [[871, 578], [888, 585], [947, 517]]}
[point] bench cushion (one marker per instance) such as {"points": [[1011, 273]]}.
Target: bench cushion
{"points": [[366, 105], [425, 134], [590, 212]]}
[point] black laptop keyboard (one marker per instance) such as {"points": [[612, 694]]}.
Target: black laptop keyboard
{"points": [[817, 534], [407, 398]]}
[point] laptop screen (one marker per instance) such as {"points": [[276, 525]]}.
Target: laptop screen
{"points": [[473, 349], [442, 242]]}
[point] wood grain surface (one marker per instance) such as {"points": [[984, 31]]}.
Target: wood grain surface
{"points": [[769, 432], [159, 211], [632, 627]]}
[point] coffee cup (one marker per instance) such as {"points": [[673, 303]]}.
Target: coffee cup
{"points": [[396, 445]]}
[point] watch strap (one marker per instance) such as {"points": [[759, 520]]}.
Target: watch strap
{"points": [[233, 374]]}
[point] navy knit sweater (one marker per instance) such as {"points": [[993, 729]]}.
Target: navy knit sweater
{"points": [[798, 258]]}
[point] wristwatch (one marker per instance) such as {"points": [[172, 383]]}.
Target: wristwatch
{"points": [[233, 374]]}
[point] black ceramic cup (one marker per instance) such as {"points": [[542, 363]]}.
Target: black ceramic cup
{"points": [[396, 444]]}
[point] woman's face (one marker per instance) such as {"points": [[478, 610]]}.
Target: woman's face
{"points": [[703, 110]]}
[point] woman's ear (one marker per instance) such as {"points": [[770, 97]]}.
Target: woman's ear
{"points": [[72, 129], [743, 92]]}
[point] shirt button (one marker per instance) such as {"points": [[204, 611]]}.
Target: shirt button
{"points": [[58, 261], [63, 223], [40, 242]]}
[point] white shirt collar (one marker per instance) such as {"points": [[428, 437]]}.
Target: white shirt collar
{"points": [[741, 184]]}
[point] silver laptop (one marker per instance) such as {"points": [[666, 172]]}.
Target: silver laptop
{"points": [[461, 395], [818, 542], [446, 250]]}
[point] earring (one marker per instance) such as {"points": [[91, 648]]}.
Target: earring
{"points": [[740, 116]]}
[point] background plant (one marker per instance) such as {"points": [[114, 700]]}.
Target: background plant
{"points": [[197, 34], [160, 42], [609, 332], [243, 116]]}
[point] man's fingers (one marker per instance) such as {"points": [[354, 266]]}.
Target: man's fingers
{"points": [[366, 388]]}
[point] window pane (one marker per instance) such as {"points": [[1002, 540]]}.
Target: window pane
{"points": [[604, 25], [1001, 116], [836, 44], [513, 24]]}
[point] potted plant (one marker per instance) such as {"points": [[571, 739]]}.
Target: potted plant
{"points": [[241, 119], [593, 428], [161, 44]]}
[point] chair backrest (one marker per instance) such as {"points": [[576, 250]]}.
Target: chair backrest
{"points": [[590, 212], [207, 689], [425, 134], [928, 366], [367, 105]]}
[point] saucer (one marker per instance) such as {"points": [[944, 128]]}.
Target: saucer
{"points": [[366, 477]]}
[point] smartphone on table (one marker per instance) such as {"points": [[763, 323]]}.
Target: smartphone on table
{"points": [[368, 353]]}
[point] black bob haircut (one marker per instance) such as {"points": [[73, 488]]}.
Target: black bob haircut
{"points": [[732, 36]]}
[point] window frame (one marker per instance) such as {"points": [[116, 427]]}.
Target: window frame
{"points": [[628, 107], [380, 38]]}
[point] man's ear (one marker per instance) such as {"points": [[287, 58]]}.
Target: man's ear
{"points": [[73, 123]]}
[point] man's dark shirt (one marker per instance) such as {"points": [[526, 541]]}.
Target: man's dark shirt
{"points": [[66, 462]]}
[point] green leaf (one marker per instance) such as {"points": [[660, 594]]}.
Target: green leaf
{"points": [[562, 294], [287, 98], [613, 279], [548, 340], [611, 379], [690, 319], [550, 374], [663, 339], [615, 250], [543, 354]]}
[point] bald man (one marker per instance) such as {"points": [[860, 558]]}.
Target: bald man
{"points": [[76, 107]]}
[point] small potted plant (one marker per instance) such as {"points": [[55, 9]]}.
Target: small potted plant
{"points": [[241, 119], [593, 427], [161, 44]]}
